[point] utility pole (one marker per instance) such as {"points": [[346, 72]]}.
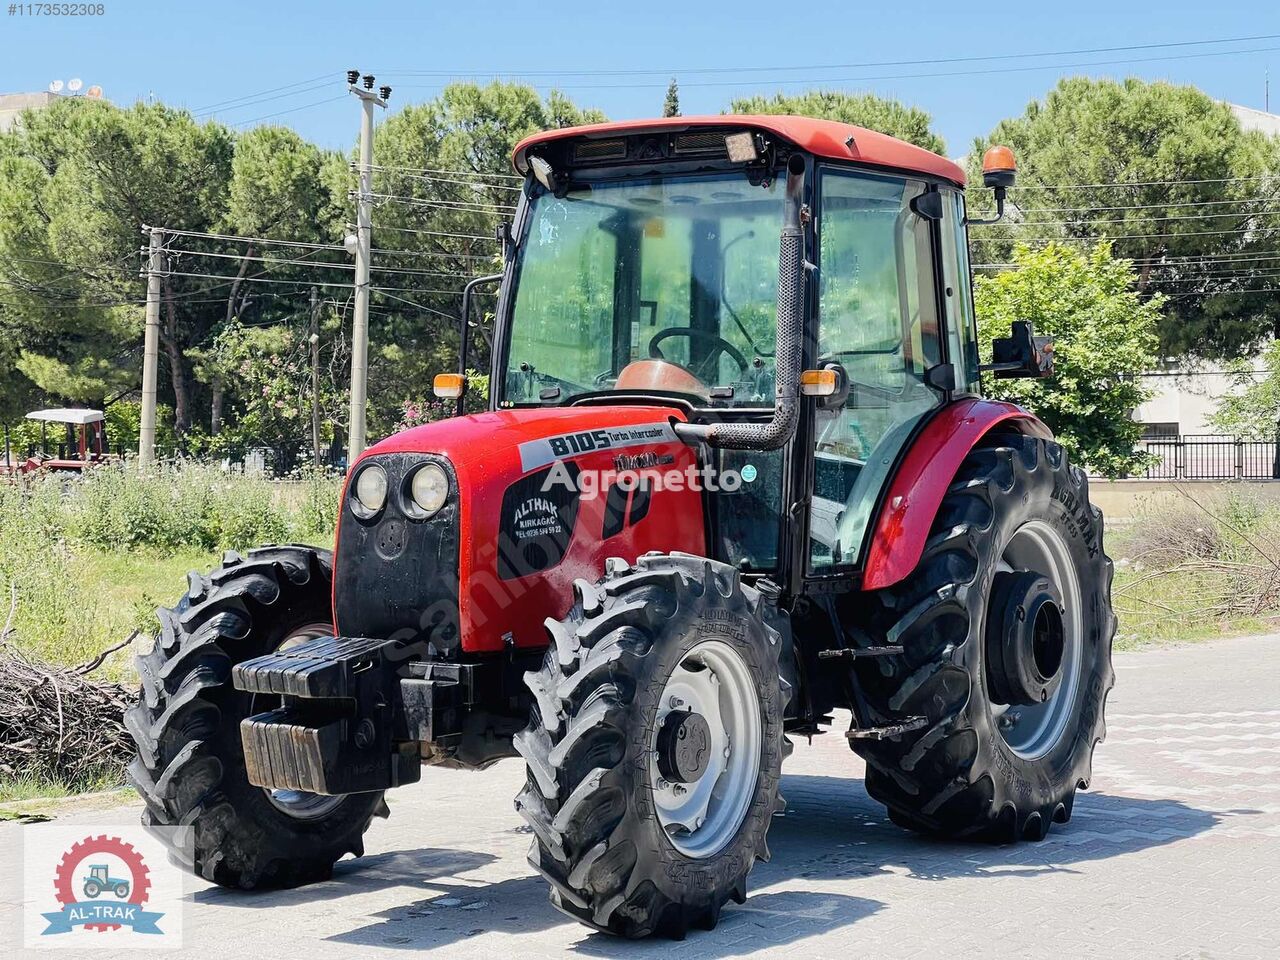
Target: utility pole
{"points": [[315, 374], [151, 348], [363, 249]]}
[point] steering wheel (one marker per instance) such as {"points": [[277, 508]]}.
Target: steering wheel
{"points": [[719, 344]]}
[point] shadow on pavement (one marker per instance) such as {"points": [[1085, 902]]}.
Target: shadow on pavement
{"points": [[397, 868], [832, 831]]}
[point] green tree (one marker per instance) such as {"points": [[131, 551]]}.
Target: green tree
{"points": [[443, 219], [671, 105], [80, 179], [1167, 174], [1104, 337], [881, 114]]}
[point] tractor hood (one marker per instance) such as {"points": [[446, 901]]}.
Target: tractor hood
{"points": [[536, 504]]}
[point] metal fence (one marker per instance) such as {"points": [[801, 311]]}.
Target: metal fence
{"points": [[1211, 458]]}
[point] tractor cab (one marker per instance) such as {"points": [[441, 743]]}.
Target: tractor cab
{"points": [[645, 265]]}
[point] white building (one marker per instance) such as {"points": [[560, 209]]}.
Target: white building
{"points": [[12, 105]]}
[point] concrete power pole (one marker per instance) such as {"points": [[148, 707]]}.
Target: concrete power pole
{"points": [[151, 348], [363, 248], [315, 375]]}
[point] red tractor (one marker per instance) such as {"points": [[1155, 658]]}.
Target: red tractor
{"points": [[735, 472]]}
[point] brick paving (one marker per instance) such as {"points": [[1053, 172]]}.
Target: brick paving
{"points": [[1172, 854]]}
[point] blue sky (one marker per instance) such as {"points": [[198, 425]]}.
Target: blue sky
{"points": [[202, 54]]}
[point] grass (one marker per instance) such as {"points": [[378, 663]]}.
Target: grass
{"points": [[87, 561]]}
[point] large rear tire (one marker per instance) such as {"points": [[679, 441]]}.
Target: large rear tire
{"points": [[190, 766], [977, 766], [673, 651]]}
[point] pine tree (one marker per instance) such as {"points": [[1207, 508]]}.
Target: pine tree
{"points": [[671, 106]]}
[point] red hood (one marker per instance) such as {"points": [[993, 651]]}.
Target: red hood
{"points": [[490, 452]]}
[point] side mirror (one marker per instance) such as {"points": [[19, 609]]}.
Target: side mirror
{"points": [[1021, 354]]}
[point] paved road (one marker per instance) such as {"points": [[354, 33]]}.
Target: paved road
{"points": [[1173, 854]]}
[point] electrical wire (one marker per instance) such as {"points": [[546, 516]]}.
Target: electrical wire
{"points": [[811, 80], [667, 72], [446, 204]]}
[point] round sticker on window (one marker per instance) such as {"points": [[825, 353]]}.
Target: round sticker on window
{"points": [[749, 472]]}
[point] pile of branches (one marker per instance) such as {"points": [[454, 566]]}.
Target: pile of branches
{"points": [[59, 723]]}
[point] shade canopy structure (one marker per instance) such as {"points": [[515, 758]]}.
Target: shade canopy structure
{"points": [[67, 415]]}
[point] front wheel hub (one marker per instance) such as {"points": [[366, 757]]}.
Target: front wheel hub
{"points": [[1026, 638]]}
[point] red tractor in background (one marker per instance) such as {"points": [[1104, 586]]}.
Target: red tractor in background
{"points": [[732, 476]]}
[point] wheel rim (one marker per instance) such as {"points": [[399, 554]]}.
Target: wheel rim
{"points": [[714, 682], [300, 804], [1032, 731]]}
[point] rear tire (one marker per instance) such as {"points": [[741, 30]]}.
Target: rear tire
{"points": [[190, 767], [592, 798], [973, 770]]}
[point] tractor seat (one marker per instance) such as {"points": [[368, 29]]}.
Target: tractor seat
{"points": [[653, 374]]}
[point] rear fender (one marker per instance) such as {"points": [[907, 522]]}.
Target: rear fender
{"points": [[915, 493]]}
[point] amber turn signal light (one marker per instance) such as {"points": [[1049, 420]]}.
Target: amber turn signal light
{"points": [[448, 386], [818, 383]]}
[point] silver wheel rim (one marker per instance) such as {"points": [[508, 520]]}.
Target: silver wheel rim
{"points": [[1032, 731], [701, 818], [300, 804]]}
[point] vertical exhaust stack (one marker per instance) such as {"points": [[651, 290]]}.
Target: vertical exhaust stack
{"points": [[786, 411]]}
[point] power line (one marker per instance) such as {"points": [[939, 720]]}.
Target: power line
{"points": [[425, 170], [474, 184], [667, 72], [200, 111], [281, 113], [1140, 183], [1272, 198], [908, 76], [446, 204], [1141, 219], [438, 233]]}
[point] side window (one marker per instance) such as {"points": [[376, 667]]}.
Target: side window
{"points": [[959, 292], [878, 318]]}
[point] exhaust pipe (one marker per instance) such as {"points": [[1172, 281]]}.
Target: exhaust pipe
{"points": [[786, 411]]}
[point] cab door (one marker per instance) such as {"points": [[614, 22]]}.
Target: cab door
{"points": [[879, 316]]}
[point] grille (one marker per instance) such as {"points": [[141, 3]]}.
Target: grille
{"points": [[592, 150]]}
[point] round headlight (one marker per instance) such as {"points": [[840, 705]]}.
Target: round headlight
{"points": [[429, 488], [371, 488]]}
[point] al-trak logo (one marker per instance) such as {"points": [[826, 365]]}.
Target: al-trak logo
{"points": [[102, 883]]}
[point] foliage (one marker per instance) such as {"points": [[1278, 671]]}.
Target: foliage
{"points": [[881, 114], [671, 103], [1191, 568], [1168, 175], [1252, 407], [1104, 338]]}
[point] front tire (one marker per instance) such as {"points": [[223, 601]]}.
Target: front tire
{"points": [[977, 766], [190, 768], [619, 827]]}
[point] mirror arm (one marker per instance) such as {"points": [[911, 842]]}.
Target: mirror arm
{"points": [[463, 334]]}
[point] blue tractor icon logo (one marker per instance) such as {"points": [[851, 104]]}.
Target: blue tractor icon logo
{"points": [[98, 880]]}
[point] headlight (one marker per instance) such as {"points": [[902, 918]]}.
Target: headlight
{"points": [[428, 489], [371, 490]]}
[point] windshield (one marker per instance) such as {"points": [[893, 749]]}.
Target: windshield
{"points": [[648, 284]]}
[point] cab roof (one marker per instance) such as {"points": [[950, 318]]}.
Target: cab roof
{"points": [[823, 138]]}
